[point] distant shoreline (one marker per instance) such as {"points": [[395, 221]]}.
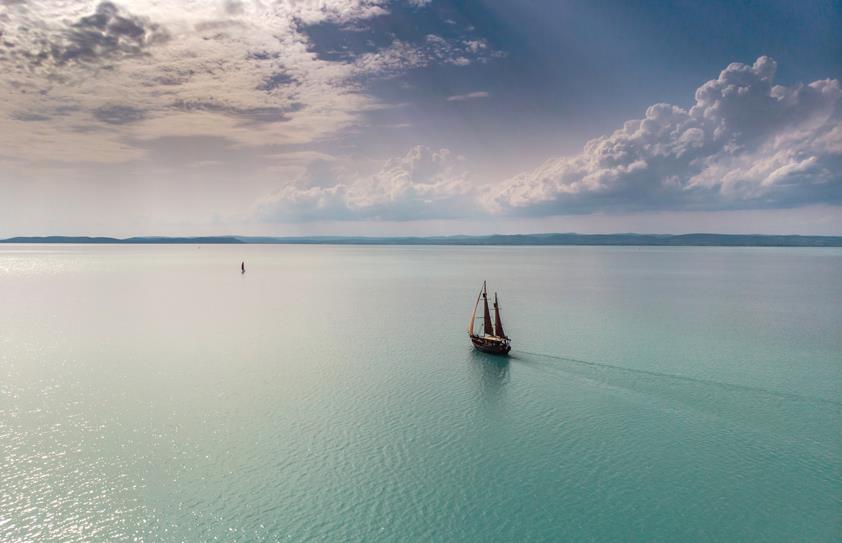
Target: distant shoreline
{"points": [[568, 239]]}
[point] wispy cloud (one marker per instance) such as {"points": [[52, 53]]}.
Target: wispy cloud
{"points": [[400, 56], [469, 96]]}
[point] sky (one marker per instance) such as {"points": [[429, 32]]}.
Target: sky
{"points": [[419, 117]]}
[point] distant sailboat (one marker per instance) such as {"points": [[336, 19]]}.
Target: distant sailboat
{"points": [[493, 339]]}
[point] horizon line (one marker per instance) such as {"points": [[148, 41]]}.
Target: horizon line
{"points": [[534, 239]]}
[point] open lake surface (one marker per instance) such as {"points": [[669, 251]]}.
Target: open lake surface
{"points": [[330, 393]]}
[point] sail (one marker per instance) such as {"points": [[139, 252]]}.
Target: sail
{"points": [[498, 324], [486, 315], [474, 314]]}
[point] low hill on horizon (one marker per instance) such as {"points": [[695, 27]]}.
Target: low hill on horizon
{"points": [[665, 240]]}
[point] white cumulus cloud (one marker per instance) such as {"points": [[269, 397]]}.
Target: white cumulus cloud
{"points": [[746, 142], [425, 183]]}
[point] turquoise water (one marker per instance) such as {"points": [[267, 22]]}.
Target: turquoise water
{"points": [[153, 393]]}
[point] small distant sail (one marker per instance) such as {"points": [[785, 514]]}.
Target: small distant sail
{"points": [[498, 323]]}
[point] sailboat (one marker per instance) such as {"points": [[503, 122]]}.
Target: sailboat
{"points": [[493, 339]]}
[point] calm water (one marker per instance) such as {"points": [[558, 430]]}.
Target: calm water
{"points": [[654, 394]]}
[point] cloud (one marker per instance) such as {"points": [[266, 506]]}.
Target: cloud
{"points": [[745, 143], [107, 33], [475, 46], [400, 56], [255, 115], [233, 7], [469, 96], [102, 77], [422, 184], [119, 114], [311, 12], [28, 116], [275, 81]]}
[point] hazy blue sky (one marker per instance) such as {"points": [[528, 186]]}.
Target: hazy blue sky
{"points": [[419, 116]]}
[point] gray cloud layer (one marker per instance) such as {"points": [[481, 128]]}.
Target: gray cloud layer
{"points": [[107, 33], [101, 78]]}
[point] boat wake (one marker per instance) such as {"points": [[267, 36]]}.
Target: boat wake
{"points": [[682, 378]]}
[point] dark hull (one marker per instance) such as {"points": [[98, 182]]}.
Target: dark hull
{"points": [[491, 346]]}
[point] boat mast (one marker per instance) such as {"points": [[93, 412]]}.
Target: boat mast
{"points": [[486, 314], [498, 323], [474, 314]]}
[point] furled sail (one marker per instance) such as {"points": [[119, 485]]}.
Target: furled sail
{"points": [[498, 324], [486, 315]]}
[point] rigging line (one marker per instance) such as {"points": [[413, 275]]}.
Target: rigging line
{"points": [[787, 395]]}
